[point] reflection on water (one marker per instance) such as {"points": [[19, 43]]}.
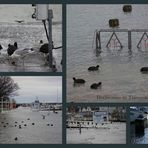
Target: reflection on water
{"points": [[140, 137], [36, 130]]}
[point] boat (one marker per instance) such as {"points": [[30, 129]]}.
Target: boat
{"points": [[87, 124], [91, 119], [36, 105]]}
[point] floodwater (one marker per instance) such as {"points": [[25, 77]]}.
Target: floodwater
{"points": [[40, 132], [140, 138], [119, 69], [28, 34], [116, 133]]}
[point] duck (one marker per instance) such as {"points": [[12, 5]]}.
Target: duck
{"points": [[45, 47], [93, 68], [81, 81], [96, 85], [144, 69], [1, 47], [19, 21], [12, 48]]}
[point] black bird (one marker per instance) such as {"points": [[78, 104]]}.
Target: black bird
{"points": [[11, 48], [28, 119], [93, 68], [43, 116], [33, 123], [25, 124], [51, 124], [21, 21], [48, 124], [81, 81], [15, 122], [95, 85], [1, 47], [45, 47], [15, 138], [144, 69]]}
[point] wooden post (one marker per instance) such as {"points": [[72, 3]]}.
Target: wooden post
{"points": [[96, 40], [80, 128], [50, 16], [129, 40], [99, 38]]}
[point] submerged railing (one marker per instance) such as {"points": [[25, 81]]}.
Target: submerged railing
{"points": [[116, 42]]}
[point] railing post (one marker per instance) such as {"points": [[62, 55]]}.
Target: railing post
{"points": [[129, 40], [98, 41]]}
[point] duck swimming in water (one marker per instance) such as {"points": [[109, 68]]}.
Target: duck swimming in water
{"points": [[80, 81], [93, 68], [144, 69], [96, 85], [11, 48]]}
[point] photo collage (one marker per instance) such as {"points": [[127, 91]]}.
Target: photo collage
{"points": [[74, 73]]}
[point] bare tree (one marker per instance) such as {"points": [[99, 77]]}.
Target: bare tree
{"points": [[8, 87]]}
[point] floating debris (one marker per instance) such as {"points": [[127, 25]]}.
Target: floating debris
{"points": [[127, 8], [114, 22]]}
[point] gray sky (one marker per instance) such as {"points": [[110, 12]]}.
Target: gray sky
{"points": [[12, 12], [46, 88]]}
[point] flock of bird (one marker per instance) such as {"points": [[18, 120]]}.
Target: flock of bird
{"points": [[82, 81], [13, 53], [20, 124], [99, 84]]}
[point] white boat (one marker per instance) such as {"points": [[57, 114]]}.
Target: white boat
{"points": [[87, 124]]}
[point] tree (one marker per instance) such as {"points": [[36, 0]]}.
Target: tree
{"points": [[8, 87]]}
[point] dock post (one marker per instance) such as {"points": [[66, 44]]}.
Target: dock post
{"points": [[129, 40], [50, 16], [80, 128], [98, 41]]}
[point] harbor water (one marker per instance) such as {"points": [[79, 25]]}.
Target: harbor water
{"points": [[114, 134], [119, 70], [28, 35], [36, 130], [139, 137]]}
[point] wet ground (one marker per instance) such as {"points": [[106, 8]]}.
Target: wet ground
{"points": [[28, 35], [30, 127]]}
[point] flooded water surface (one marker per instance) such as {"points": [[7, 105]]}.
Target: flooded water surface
{"points": [[119, 70], [34, 129], [28, 35]]}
